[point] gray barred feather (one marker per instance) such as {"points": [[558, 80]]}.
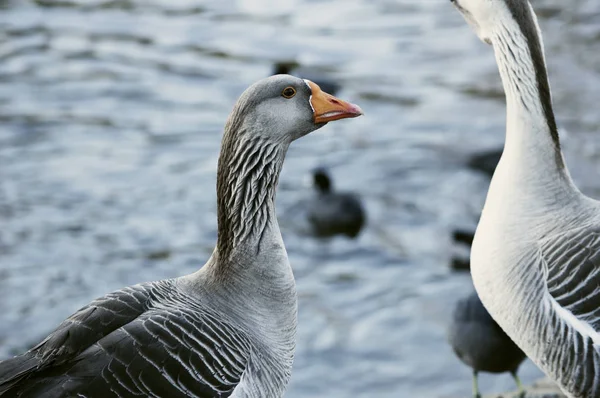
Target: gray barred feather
{"points": [[572, 265], [138, 341]]}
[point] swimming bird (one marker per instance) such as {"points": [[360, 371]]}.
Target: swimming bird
{"points": [[535, 259], [463, 236], [227, 330], [480, 343], [334, 213], [290, 68], [485, 162], [462, 239]]}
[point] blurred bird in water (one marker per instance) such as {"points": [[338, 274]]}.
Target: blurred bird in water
{"points": [[480, 343], [462, 239], [291, 68], [485, 162], [334, 213]]}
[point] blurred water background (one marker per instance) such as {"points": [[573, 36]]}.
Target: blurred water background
{"points": [[111, 114]]}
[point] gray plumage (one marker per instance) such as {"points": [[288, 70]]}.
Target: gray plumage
{"points": [[479, 342], [228, 330], [145, 340]]}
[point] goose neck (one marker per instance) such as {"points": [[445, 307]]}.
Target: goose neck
{"points": [[532, 158], [247, 178]]}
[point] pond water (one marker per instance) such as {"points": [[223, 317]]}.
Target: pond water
{"points": [[112, 112]]}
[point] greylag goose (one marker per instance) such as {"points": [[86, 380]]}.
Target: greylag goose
{"points": [[227, 330], [334, 213], [480, 343], [535, 259]]}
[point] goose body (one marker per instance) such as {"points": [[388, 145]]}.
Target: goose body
{"points": [[535, 259], [227, 330], [480, 343]]}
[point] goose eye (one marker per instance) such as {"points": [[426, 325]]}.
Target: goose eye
{"points": [[288, 92]]}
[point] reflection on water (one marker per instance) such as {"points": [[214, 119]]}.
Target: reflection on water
{"points": [[111, 117]]}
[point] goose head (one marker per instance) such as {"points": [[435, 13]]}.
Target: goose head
{"points": [[487, 17], [283, 108]]}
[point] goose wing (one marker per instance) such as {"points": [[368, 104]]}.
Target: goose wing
{"points": [[572, 262], [85, 327], [133, 342]]}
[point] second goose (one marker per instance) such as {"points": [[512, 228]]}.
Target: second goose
{"points": [[535, 259]]}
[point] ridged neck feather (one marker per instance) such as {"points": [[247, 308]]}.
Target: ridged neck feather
{"points": [[247, 177]]}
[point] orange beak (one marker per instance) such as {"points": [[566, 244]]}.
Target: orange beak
{"points": [[328, 108]]}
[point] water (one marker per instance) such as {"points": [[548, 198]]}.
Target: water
{"points": [[111, 117]]}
